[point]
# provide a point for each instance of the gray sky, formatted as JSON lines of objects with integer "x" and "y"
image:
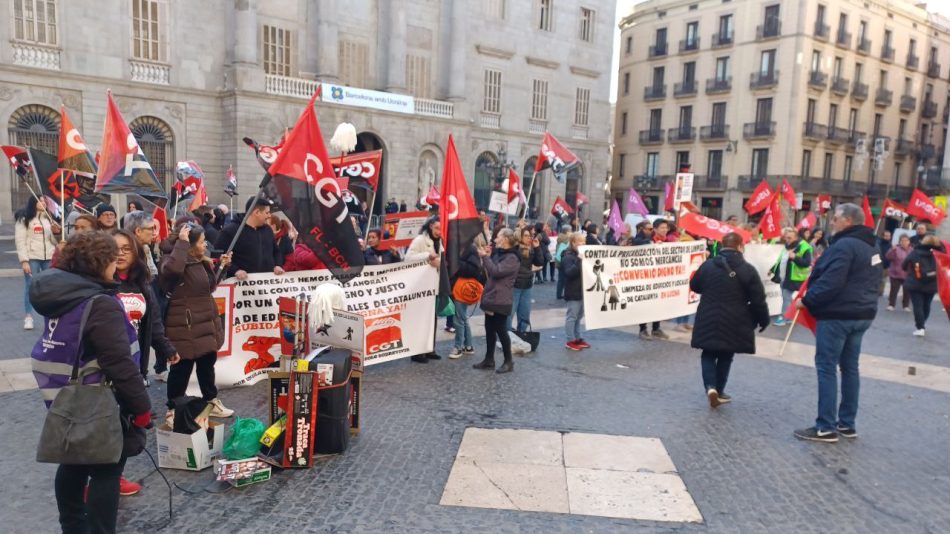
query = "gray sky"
{"x": 624, "y": 7}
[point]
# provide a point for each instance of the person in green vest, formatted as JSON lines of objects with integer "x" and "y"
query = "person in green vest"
{"x": 792, "y": 268}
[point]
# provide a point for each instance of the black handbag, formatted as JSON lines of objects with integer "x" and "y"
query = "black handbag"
{"x": 530, "y": 337}
{"x": 83, "y": 425}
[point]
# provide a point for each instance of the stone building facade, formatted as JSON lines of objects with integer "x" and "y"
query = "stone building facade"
{"x": 808, "y": 91}
{"x": 194, "y": 78}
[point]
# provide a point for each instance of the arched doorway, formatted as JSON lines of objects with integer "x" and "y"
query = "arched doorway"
{"x": 534, "y": 200}
{"x": 32, "y": 126}
{"x": 157, "y": 142}
{"x": 573, "y": 183}
{"x": 367, "y": 142}
{"x": 485, "y": 170}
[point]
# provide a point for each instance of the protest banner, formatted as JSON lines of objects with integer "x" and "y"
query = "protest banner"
{"x": 498, "y": 203}
{"x": 388, "y": 297}
{"x": 763, "y": 257}
{"x": 402, "y": 227}
{"x": 684, "y": 188}
{"x": 632, "y": 285}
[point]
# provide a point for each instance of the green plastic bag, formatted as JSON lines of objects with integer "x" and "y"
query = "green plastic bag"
{"x": 244, "y": 439}
{"x": 448, "y": 309}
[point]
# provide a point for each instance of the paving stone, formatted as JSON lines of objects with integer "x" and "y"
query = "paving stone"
{"x": 618, "y": 453}
{"x": 512, "y": 446}
{"x": 532, "y": 487}
{"x": 647, "y": 496}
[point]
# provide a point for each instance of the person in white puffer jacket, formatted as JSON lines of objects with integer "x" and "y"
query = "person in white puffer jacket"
{"x": 36, "y": 234}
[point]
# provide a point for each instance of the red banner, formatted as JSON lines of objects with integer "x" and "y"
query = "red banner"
{"x": 868, "y": 216}
{"x": 702, "y": 226}
{"x": 943, "y": 279}
{"x": 804, "y": 317}
{"x": 824, "y": 204}
{"x": 359, "y": 170}
{"x": 760, "y": 198}
{"x": 808, "y": 222}
{"x": 923, "y": 208}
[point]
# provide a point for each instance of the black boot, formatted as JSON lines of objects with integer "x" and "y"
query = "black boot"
{"x": 485, "y": 364}
{"x": 419, "y": 358}
{"x": 506, "y": 367}
{"x": 433, "y": 356}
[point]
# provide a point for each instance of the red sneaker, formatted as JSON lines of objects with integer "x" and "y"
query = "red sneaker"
{"x": 582, "y": 344}
{"x": 127, "y": 487}
{"x": 572, "y": 345}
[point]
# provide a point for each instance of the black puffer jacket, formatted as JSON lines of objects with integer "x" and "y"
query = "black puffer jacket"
{"x": 571, "y": 271}
{"x": 921, "y": 268}
{"x": 255, "y": 251}
{"x": 731, "y": 306}
{"x": 534, "y": 258}
{"x": 843, "y": 285}
{"x": 470, "y": 266}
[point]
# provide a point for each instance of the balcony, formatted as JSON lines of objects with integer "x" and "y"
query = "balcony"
{"x": 817, "y": 80}
{"x": 933, "y": 69}
{"x": 883, "y": 97}
{"x": 646, "y": 182}
{"x": 683, "y": 134}
{"x": 687, "y": 88}
{"x": 434, "y": 108}
{"x": 864, "y": 46}
{"x": 904, "y": 147}
{"x": 537, "y": 126}
{"x": 913, "y": 61}
{"x": 580, "y": 132}
{"x": 926, "y": 151}
{"x": 36, "y": 56}
{"x": 748, "y": 182}
{"x": 853, "y": 137}
{"x": 770, "y": 30}
{"x": 929, "y": 109}
{"x": 758, "y": 130}
{"x": 887, "y": 53}
{"x": 908, "y": 103}
{"x": 715, "y": 86}
{"x": 654, "y": 92}
{"x": 148, "y": 72}
{"x": 859, "y": 92}
{"x": 491, "y": 121}
{"x": 815, "y": 132}
{"x": 836, "y": 136}
{"x": 822, "y": 31}
{"x": 839, "y": 86}
{"x": 716, "y": 182}
{"x": 651, "y": 137}
{"x": 288, "y": 86}
{"x": 882, "y": 140}
{"x": 763, "y": 80}
{"x": 689, "y": 45}
{"x": 715, "y": 132}
{"x": 844, "y": 39}
{"x": 722, "y": 40}
{"x": 658, "y": 50}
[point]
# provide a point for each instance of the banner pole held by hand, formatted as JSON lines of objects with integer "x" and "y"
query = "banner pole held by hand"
{"x": 260, "y": 193}
{"x": 534, "y": 174}
{"x": 789, "y": 334}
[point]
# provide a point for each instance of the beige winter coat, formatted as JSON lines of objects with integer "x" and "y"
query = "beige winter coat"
{"x": 35, "y": 241}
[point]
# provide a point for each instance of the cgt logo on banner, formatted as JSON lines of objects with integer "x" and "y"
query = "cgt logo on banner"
{"x": 382, "y": 295}
{"x": 632, "y": 285}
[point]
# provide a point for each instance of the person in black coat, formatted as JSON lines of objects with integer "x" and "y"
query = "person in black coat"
{"x": 256, "y": 249}
{"x": 373, "y": 255}
{"x": 921, "y": 281}
{"x": 470, "y": 266}
{"x": 532, "y": 260}
{"x": 732, "y": 305}
{"x": 573, "y": 292}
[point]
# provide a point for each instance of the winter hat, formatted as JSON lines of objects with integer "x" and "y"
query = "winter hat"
{"x": 104, "y": 208}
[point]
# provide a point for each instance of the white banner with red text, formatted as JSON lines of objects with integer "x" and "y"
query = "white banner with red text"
{"x": 396, "y": 301}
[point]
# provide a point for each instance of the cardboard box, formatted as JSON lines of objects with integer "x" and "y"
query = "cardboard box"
{"x": 192, "y": 452}
{"x": 356, "y": 393}
{"x": 301, "y": 420}
{"x": 279, "y": 386}
{"x": 240, "y": 473}
{"x": 261, "y": 475}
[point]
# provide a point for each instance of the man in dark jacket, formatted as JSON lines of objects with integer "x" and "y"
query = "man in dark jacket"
{"x": 921, "y": 232}
{"x": 573, "y": 293}
{"x": 733, "y": 304}
{"x": 645, "y": 237}
{"x": 256, "y": 248}
{"x": 842, "y": 296}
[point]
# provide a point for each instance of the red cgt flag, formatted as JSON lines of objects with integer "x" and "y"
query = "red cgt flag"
{"x": 789, "y": 194}
{"x": 923, "y": 208}
{"x": 943, "y": 279}
{"x": 200, "y": 199}
{"x": 73, "y": 153}
{"x": 514, "y": 187}
{"x": 770, "y": 225}
{"x": 555, "y": 156}
{"x": 561, "y": 209}
{"x": 162, "y": 218}
{"x": 868, "y": 216}
{"x": 122, "y": 165}
{"x": 805, "y": 317}
{"x": 808, "y": 222}
{"x": 893, "y": 210}
{"x": 824, "y": 204}
{"x": 702, "y": 226}
{"x": 760, "y": 199}
{"x": 458, "y": 216}
{"x": 359, "y": 170}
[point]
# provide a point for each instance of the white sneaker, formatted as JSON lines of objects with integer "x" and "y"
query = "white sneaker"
{"x": 919, "y": 332}
{"x": 28, "y": 322}
{"x": 906, "y": 309}
{"x": 890, "y": 308}
{"x": 218, "y": 409}
{"x": 455, "y": 354}
{"x": 170, "y": 418}
{"x": 162, "y": 377}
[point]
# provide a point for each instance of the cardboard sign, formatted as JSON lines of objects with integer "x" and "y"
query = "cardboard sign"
{"x": 402, "y": 228}
{"x": 684, "y": 188}
{"x": 191, "y": 452}
{"x": 346, "y": 332}
{"x": 498, "y": 203}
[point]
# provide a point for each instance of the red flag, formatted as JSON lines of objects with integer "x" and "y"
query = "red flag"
{"x": 770, "y": 225}
{"x": 760, "y": 198}
{"x": 943, "y": 279}
{"x": 162, "y": 218}
{"x": 304, "y": 155}
{"x": 201, "y": 198}
{"x": 702, "y": 226}
{"x": 923, "y": 208}
{"x": 122, "y": 165}
{"x": 824, "y": 203}
{"x": 73, "y": 153}
{"x": 433, "y": 197}
{"x": 581, "y": 199}
{"x": 893, "y": 210}
{"x": 808, "y": 222}
{"x": 668, "y": 196}
{"x": 554, "y": 156}
{"x": 360, "y": 170}
{"x": 458, "y": 216}
{"x": 789, "y": 194}
{"x": 230, "y": 187}
{"x": 561, "y": 209}
{"x": 514, "y": 187}
{"x": 805, "y": 317}
{"x": 868, "y": 216}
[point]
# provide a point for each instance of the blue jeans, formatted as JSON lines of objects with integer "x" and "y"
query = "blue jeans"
{"x": 572, "y": 322}
{"x": 838, "y": 345}
{"x": 559, "y": 293}
{"x": 521, "y": 304}
{"x": 463, "y": 331}
{"x": 683, "y": 320}
{"x": 36, "y": 266}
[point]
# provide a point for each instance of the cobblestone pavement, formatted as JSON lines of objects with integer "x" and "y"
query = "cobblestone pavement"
{"x": 740, "y": 463}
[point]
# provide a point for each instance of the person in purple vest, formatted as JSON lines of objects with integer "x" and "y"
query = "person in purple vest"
{"x": 83, "y": 277}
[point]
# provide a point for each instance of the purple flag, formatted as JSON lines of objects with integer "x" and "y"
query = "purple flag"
{"x": 615, "y": 221}
{"x": 635, "y": 203}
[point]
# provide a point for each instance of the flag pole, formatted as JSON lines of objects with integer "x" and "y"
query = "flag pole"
{"x": 524, "y": 214}
{"x": 369, "y": 217}
{"x": 790, "y": 328}
{"x": 237, "y": 235}
{"x": 62, "y": 205}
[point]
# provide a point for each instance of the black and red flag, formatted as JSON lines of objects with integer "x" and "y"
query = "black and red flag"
{"x": 561, "y": 209}
{"x": 266, "y": 154}
{"x": 359, "y": 170}
{"x": 555, "y": 157}
{"x": 457, "y": 213}
{"x": 56, "y": 183}
{"x": 19, "y": 159}
{"x": 122, "y": 165}
{"x": 303, "y": 184}
{"x": 73, "y": 154}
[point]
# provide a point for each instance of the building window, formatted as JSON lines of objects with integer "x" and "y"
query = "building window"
{"x": 621, "y": 163}
{"x": 829, "y": 166}
{"x": 547, "y": 7}
{"x": 623, "y": 123}
{"x": 628, "y": 48}
{"x": 806, "y": 163}
{"x": 148, "y": 39}
{"x": 714, "y": 165}
{"x": 719, "y": 117}
{"x": 897, "y": 174}
{"x": 586, "y": 29}
{"x": 419, "y": 76}
{"x": 581, "y": 106}
{"x": 848, "y": 165}
{"x": 495, "y": 9}
{"x": 35, "y": 21}
{"x": 626, "y": 83}
{"x": 686, "y": 117}
{"x": 760, "y": 163}
{"x": 692, "y": 35}
{"x": 354, "y": 63}
{"x": 682, "y": 160}
{"x": 656, "y": 118}
{"x": 492, "y": 101}
{"x": 653, "y": 164}
{"x": 157, "y": 142}
{"x": 539, "y": 100}
{"x": 722, "y": 69}
{"x": 276, "y": 56}
{"x": 767, "y": 64}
